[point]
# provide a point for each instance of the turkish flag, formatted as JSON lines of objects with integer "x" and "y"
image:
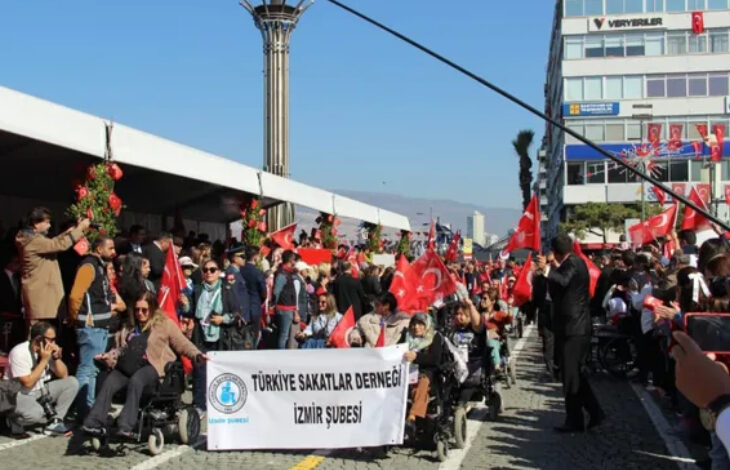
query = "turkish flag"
{"x": 658, "y": 226}
{"x": 697, "y": 146}
{"x": 82, "y": 246}
{"x": 698, "y": 22}
{"x": 381, "y": 337}
{"x": 593, "y": 270}
{"x": 655, "y": 133}
{"x": 284, "y": 237}
{"x": 527, "y": 234}
{"x": 705, "y": 192}
{"x": 702, "y": 130}
{"x": 661, "y": 196}
{"x": 453, "y": 252}
{"x": 522, "y": 291}
{"x": 404, "y": 286}
{"x": 675, "y": 137}
{"x": 716, "y": 149}
{"x": 679, "y": 188}
{"x": 668, "y": 249}
{"x": 338, "y": 337}
{"x": 692, "y": 219}
{"x": 430, "y": 242}
{"x": 433, "y": 281}
{"x": 171, "y": 286}
{"x": 727, "y": 194}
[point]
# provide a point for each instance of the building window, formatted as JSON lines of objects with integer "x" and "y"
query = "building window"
{"x": 596, "y": 172}
{"x": 717, "y": 4}
{"x": 678, "y": 170}
{"x": 614, "y": 7}
{"x": 697, "y": 43}
{"x": 696, "y": 167}
{"x": 725, "y": 170}
{"x": 614, "y": 88}
{"x": 718, "y": 41}
{"x": 573, "y": 49}
{"x": 593, "y": 7}
{"x": 614, "y": 46}
{"x": 633, "y": 6}
{"x": 575, "y": 173}
{"x": 676, "y": 43}
{"x": 573, "y": 7}
{"x": 696, "y": 5}
{"x": 594, "y": 47}
{"x": 574, "y": 89}
{"x": 594, "y": 132}
{"x": 654, "y": 44}
{"x": 633, "y": 131}
{"x": 635, "y": 45}
{"x": 593, "y": 88}
{"x": 654, "y": 5}
{"x": 614, "y": 133}
{"x": 676, "y": 87}
{"x": 698, "y": 85}
{"x": 655, "y": 87}
{"x": 633, "y": 88}
{"x": 719, "y": 85}
{"x": 676, "y": 5}
{"x": 616, "y": 173}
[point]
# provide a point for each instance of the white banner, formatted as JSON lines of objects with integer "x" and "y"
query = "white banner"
{"x": 306, "y": 398}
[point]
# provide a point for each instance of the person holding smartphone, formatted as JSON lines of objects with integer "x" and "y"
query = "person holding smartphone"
{"x": 42, "y": 400}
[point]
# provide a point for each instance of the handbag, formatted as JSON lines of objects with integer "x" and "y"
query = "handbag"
{"x": 238, "y": 336}
{"x": 134, "y": 356}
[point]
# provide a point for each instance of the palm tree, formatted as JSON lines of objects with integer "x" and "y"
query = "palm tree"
{"x": 522, "y": 146}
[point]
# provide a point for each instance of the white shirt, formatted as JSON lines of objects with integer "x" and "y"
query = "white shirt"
{"x": 20, "y": 364}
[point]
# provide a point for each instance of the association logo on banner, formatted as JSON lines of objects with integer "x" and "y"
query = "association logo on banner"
{"x": 227, "y": 393}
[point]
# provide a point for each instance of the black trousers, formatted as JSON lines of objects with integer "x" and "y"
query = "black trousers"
{"x": 577, "y": 390}
{"x": 545, "y": 324}
{"x": 97, "y": 418}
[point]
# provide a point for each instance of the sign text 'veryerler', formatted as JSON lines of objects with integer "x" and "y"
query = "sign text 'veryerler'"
{"x": 603, "y": 23}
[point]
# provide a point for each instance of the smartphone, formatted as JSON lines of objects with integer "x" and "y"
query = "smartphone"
{"x": 711, "y": 331}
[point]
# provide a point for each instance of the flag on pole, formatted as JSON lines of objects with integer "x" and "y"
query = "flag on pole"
{"x": 284, "y": 237}
{"x": 339, "y": 335}
{"x": 692, "y": 219}
{"x": 527, "y": 234}
{"x": 522, "y": 290}
{"x": 171, "y": 286}
{"x": 430, "y": 241}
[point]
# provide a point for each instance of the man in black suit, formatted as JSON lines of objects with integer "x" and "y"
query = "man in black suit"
{"x": 544, "y": 305}
{"x": 348, "y": 292}
{"x": 156, "y": 253}
{"x": 568, "y": 282}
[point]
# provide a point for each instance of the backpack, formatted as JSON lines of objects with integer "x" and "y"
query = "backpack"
{"x": 238, "y": 336}
{"x": 288, "y": 295}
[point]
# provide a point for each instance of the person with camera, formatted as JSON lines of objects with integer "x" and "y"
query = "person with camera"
{"x": 90, "y": 311}
{"x": 43, "y": 291}
{"x": 41, "y": 401}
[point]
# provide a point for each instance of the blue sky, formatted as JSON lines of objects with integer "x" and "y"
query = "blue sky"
{"x": 365, "y": 108}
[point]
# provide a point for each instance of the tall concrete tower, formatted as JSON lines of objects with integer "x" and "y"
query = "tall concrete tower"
{"x": 276, "y": 20}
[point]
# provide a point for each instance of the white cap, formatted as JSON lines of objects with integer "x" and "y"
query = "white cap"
{"x": 186, "y": 261}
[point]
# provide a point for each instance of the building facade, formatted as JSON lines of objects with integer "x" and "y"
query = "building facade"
{"x": 649, "y": 81}
{"x": 475, "y": 228}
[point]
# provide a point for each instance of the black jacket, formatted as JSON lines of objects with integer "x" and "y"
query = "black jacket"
{"x": 10, "y": 299}
{"x": 544, "y": 307}
{"x": 157, "y": 263}
{"x": 349, "y": 292}
{"x": 231, "y": 306}
{"x": 255, "y": 289}
{"x": 568, "y": 285}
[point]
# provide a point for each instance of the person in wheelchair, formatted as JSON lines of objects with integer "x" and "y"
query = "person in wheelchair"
{"x": 495, "y": 321}
{"x": 152, "y": 344}
{"x": 425, "y": 349}
{"x": 470, "y": 339}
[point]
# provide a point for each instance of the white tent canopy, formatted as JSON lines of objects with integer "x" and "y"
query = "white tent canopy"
{"x": 44, "y": 141}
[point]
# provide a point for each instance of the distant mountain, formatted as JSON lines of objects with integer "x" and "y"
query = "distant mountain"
{"x": 497, "y": 220}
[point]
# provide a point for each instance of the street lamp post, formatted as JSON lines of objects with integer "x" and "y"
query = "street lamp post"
{"x": 643, "y": 117}
{"x": 276, "y": 20}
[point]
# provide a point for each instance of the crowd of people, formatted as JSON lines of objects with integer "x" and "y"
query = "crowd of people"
{"x": 79, "y": 328}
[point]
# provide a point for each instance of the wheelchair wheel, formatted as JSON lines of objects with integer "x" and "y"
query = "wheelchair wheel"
{"x": 495, "y": 405}
{"x": 460, "y": 427}
{"x": 188, "y": 425}
{"x": 442, "y": 450}
{"x": 156, "y": 441}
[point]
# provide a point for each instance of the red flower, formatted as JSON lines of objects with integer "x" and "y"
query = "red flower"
{"x": 115, "y": 203}
{"x": 262, "y": 226}
{"x": 114, "y": 171}
{"x": 89, "y": 214}
{"x": 254, "y": 203}
{"x": 333, "y": 231}
{"x": 102, "y": 231}
{"x": 330, "y": 218}
{"x": 91, "y": 172}
{"x": 82, "y": 192}
{"x": 337, "y": 222}
{"x": 243, "y": 214}
{"x": 251, "y": 223}
{"x": 262, "y": 212}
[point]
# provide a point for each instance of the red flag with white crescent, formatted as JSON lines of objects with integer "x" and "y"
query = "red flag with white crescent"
{"x": 434, "y": 281}
{"x": 692, "y": 219}
{"x": 404, "y": 286}
{"x": 338, "y": 337}
{"x": 660, "y": 194}
{"x": 522, "y": 290}
{"x": 285, "y": 237}
{"x": 527, "y": 234}
{"x": 660, "y": 225}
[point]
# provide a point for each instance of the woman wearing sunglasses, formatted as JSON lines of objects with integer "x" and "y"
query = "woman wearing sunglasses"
{"x": 153, "y": 343}
{"x": 322, "y": 325}
{"x": 214, "y": 309}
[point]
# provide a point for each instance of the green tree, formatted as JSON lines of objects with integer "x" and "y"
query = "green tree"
{"x": 600, "y": 218}
{"x": 522, "y": 148}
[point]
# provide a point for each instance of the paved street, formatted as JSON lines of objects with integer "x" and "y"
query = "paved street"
{"x": 522, "y": 438}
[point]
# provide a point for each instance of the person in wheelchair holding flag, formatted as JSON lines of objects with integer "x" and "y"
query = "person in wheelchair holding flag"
{"x": 470, "y": 339}
{"x": 152, "y": 344}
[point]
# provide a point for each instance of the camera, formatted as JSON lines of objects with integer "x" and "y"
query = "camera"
{"x": 46, "y": 403}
